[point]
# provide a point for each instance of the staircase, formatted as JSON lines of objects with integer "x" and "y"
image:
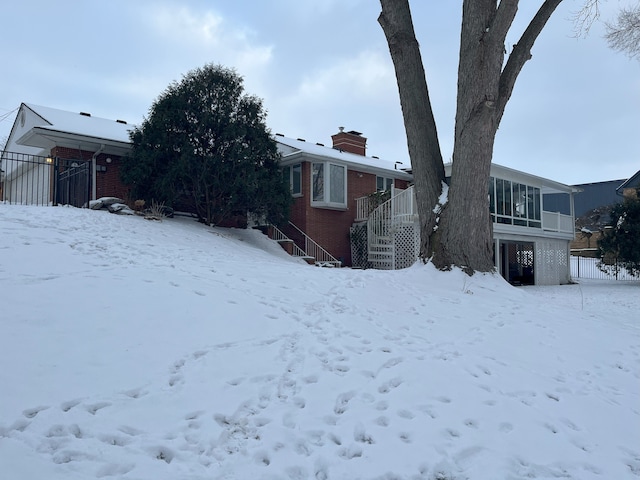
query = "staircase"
{"x": 310, "y": 251}
{"x": 393, "y": 232}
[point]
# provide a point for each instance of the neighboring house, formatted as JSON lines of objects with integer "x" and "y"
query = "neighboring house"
{"x": 55, "y": 156}
{"x": 591, "y": 196}
{"x": 593, "y": 203}
{"x": 349, "y": 209}
{"x": 630, "y": 187}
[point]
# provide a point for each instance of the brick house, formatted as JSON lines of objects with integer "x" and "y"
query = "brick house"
{"x": 326, "y": 183}
{"x": 50, "y": 152}
{"x": 337, "y": 193}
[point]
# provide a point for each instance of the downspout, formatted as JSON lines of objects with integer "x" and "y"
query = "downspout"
{"x": 94, "y": 170}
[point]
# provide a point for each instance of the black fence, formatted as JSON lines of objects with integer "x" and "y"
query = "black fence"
{"x": 37, "y": 180}
{"x": 588, "y": 267}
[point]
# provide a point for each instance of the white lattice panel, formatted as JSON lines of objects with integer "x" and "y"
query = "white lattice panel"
{"x": 407, "y": 244}
{"x": 552, "y": 262}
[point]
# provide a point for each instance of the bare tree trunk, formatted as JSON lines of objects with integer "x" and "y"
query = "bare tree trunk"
{"x": 464, "y": 237}
{"x": 420, "y": 126}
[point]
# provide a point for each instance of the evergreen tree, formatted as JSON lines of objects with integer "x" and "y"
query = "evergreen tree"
{"x": 205, "y": 144}
{"x": 621, "y": 239}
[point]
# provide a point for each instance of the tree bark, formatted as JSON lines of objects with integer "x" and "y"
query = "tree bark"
{"x": 464, "y": 237}
{"x": 420, "y": 126}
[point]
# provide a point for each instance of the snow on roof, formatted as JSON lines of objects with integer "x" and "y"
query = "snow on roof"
{"x": 299, "y": 145}
{"x": 82, "y": 124}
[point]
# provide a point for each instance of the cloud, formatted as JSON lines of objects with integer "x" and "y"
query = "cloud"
{"x": 206, "y": 36}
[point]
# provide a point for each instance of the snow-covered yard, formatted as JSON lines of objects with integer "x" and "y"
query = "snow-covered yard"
{"x": 168, "y": 350}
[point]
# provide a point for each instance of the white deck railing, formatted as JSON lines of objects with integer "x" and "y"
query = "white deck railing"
{"x": 367, "y": 204}
{"x": 383, "y": 223}
{"x": 557, "y": 222}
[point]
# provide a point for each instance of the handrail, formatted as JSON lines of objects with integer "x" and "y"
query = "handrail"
{"x": 382, "y": 225}
{"x": 367, "y": 204}
{"x": 278, "y": 236}
{"x": 313, "y": 249}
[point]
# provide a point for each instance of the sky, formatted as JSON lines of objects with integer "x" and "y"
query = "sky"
{"x": 148, "y": 350}
{"x": 574, "y": 115}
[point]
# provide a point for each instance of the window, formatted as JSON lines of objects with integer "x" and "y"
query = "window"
{"x": 383, "y": 184}
{"x": 514, "y": 203}
{"x": 328, "y": 185}
{"x": 293, "y": 175}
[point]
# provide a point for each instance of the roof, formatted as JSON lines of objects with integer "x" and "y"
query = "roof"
{"x": 63, "y": 128}
{"x": 82, "y": 123}
{"x": 547, "y": 186}
{"x": 632, "y": 182}
{"x": 358, "y": 162}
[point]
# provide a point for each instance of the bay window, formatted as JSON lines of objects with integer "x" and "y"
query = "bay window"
{"x": 328, "y": 185}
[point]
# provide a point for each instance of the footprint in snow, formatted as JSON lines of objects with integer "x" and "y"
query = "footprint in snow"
{"x": 406, "y": 414}
{"x": 505, "y": 427}
{"x": 95, "y": 407}
{"x": 386, "y": 387}
{"x": 342, "y": 402}
{"x": 350, "y": 452}
{"x": 175, "y": 379}
{"x": 135, "y": 393}
{"x": 32, "y": 412}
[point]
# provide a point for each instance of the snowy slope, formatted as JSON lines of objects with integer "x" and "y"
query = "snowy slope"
{"x": 146, "y": 350}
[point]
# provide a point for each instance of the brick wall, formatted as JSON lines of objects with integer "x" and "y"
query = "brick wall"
{"x": 71, "y": 153}
{"x": 108, "y": 183}
{"x": 328, "y": 227}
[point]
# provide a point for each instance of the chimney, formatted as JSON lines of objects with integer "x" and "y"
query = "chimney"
{"x": 351, "y": 141}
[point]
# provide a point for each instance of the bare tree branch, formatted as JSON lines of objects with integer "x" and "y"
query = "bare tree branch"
{"x": 624, "y": 34}
{"x": 584, "y": 18}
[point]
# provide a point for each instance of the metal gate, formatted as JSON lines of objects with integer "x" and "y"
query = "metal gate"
{"x": 72, "y": 182}
{"x": 37, "y": 180}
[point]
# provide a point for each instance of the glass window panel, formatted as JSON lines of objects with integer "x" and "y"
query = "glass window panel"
{"x": 383, "y": 184}
{"x": 500, "y": 195}
{"x": 286, "y": 173}
{"x": 296, "y": 179}
{"x": 336, "y": 184}
{"x": 507, "y": 197}
{"x": 389, "y": 183}
{"x": 317, "y": 179}
{"x": 537, "y": 203}
{"x": 492, "y": 195}
{"x": 520, "y": 199}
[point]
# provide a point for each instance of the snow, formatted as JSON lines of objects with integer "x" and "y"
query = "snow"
{"x": 298, "y": 145}
{"x": 170, "y": 350}
{"x": 64, "y": 121}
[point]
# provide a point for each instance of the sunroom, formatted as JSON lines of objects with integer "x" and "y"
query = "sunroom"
{"x": 531, "y": 236}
